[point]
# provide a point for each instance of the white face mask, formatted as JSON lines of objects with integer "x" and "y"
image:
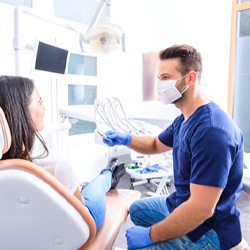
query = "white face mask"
{"x": 167, "y": 91}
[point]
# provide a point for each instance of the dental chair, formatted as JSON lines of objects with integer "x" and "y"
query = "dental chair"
{"x": 38, "y": 212}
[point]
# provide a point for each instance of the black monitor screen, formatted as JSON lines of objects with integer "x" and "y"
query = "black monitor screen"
{"x": 50, "y": 58}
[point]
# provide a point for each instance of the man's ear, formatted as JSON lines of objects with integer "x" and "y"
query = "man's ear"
{"x": 192, "y": 77}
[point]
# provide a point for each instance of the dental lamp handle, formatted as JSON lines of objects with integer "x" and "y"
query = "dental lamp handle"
{"x": 117, "y": 138}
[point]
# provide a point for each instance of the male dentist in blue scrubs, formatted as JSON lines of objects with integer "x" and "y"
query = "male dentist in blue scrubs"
{"x": 208, "y": 165}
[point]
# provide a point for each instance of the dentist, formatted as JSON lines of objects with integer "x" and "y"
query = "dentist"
{"x": 208, "y": 165}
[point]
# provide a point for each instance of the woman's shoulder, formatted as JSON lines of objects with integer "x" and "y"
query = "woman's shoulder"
{"x": 50, "y": 163}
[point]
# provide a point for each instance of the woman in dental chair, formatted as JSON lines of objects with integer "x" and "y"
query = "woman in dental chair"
{"x": 24, "y": 111}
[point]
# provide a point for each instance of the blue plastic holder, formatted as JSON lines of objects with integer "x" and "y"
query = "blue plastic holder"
{"x": 149, "y": 169}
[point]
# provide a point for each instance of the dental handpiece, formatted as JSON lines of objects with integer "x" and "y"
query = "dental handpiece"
{"x": 104, "y": 136}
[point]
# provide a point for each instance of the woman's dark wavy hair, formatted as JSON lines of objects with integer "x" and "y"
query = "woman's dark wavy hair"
{"x": 15, "y": 97}
{"x": 189, "y": 57}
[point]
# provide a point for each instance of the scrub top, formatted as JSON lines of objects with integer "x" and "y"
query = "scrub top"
{"x": 208, "y": 150}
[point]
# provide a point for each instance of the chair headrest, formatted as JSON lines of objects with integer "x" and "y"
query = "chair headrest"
{"x": 5, "y": 136}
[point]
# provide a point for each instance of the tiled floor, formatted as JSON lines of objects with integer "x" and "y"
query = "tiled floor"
{"x": 243, "y": 205}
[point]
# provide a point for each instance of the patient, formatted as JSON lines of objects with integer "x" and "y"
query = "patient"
{"x": 24, "y": 111}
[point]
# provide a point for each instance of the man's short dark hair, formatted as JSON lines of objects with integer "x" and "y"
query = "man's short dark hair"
{"x": 189, "y": 57}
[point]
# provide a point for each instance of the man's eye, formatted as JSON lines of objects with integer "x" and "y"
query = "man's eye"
{"x": 164, "y": 77}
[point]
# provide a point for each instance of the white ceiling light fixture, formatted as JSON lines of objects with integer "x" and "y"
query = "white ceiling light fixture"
{"x": 106, "y": 38}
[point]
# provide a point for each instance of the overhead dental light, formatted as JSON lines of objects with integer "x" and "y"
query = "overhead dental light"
{"x": 105, "y": 38}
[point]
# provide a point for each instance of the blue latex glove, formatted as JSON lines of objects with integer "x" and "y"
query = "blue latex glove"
{"x": 117, "y": 138}
{"x": 138, "y": 237}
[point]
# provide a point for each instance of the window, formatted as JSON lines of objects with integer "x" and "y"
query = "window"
{"x": 81, "y": 11}
{"x": 17, "y": 2}
{"x": 239, "y": 73}
{"x": 81, "y": 94}
{"x": 243, "y": 1}
{"x": 82, "y": 65}
{"x": 244, "y": 21}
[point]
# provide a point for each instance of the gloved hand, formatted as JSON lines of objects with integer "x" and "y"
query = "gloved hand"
{"x": 138, "y": 237}
{"x": 117, "y": 138}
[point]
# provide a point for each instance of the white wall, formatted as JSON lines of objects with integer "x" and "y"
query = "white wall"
{"x": 6, "y": 41}
{"x": 152, "y": 25}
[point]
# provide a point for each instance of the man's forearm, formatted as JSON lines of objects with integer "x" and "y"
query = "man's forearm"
{"x": 142, "y": 144}
{"x": 181, "y": 221}
{"x": 147, "y": 145}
